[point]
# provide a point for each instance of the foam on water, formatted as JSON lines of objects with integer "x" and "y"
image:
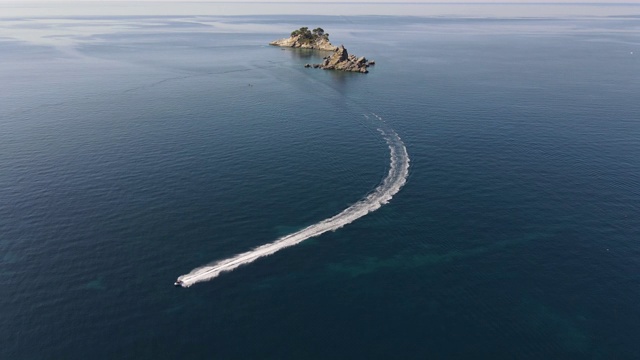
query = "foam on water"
{"x": 392, "y": 183}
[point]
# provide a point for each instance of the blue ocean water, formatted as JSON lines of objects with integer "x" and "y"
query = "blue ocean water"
{"x": 135, "y": 149}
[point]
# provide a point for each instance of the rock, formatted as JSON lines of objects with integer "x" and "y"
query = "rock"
{"x": 319, "y": 40}
{"x": 341, "y": 60}
{"x": 339, "y": 57}
{"x": 298, "y": 41}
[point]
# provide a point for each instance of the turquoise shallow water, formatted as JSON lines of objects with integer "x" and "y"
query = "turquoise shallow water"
{"x": 134, "y": 149}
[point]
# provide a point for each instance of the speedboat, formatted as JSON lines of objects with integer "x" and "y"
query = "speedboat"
{"x": 178, "y": 283}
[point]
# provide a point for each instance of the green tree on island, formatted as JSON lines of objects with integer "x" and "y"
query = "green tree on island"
{"x": 307, "y": 36}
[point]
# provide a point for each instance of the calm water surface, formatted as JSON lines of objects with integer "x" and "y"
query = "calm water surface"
{"x": 134, "y": 149}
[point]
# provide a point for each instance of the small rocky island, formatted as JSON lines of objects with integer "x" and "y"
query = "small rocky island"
{"x": 317, "y": 39}
{"x": 304, "y": 38}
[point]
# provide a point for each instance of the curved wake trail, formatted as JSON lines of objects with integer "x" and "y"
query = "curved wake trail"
{"x": 392, "y": 183}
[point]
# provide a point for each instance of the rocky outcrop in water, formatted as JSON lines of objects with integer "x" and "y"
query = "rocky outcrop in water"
{"x": 341, "y": 60}
{"x": 304, "y": 38}
{"x": 317, "y": 39}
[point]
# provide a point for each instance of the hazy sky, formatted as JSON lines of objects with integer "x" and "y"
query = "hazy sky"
{"x": 474, "y": 8}
{"x": 360, "y": 1}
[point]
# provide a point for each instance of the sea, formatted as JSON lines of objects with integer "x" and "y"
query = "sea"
{"x": 492, "y": 156}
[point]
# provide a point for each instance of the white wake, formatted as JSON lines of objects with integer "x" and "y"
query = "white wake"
{"x": 392, "y": 183}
